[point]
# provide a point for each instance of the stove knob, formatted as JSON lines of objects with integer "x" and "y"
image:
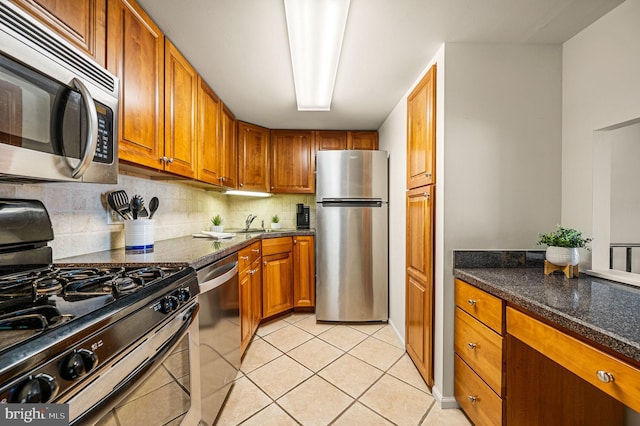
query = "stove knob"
{"x": 183, "y": 295}
{"x": 78, "y": 364}
{"x": 169, "y": 304}
{"x": 37, "y": 389}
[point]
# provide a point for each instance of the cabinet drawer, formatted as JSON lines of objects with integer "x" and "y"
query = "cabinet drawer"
{"x": 248, "y": 255}
{"x": 276, "y": 245}
{"x": 590, "y": 364}
{"x": 477, "y": 399}
{"x": 480, "y": 347}
{"x": 480, "y": 305}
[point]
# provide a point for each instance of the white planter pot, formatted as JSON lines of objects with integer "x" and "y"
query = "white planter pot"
{"x": 214, "y": 228}
{"x": 562, "y": 256}
{"x": 276, "y": 225}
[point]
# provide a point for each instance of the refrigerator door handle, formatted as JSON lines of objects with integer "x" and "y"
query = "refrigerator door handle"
{"x": 351, "y": 203}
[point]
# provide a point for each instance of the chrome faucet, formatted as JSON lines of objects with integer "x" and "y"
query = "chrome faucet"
{"x": 249, "y": 220}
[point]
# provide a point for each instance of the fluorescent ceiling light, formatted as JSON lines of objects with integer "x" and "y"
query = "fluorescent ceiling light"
{"x": 316, "y": 29}
{"x": 248, "y": 193}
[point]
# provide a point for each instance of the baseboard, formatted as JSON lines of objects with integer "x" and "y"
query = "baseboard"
{"x": 401, "y": 338}
{"x": 444, "y": 402}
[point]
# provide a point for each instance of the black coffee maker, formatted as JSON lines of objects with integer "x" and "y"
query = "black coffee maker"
{"x": 302, "y": 217}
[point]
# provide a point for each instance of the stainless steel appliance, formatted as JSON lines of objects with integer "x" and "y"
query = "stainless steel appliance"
{"x": 352, "y": 236}
{"x": 302, "y": 217}
{"x": 59, "y": 108}
{"x": 86, "y": 336}
{"x": 219, "y": 334}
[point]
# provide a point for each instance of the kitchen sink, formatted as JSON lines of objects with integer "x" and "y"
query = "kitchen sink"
{"x": 255, "y": 230}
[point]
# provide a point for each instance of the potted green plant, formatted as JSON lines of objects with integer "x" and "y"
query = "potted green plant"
{"x": 563, "y": 244}
{"x": 275, "y": 222}
{"x": 216, "y": 224}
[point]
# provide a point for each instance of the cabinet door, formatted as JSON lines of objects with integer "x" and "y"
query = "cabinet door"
{"x": 256, "y": 294}
{"x": 181, "y": 94}
{"x": 277, "y": 294}
{"x": 136, "y": 56}
{"x": 421, "y": 132}
{"x": 362, "y": 140}
{"x": 419, "y": 280}
{"x": 253, "y": 159}
{"x": 82, "y": 23}
{"x": 244, "y": 282}
{"x": 228, "y": 148}
{"x": 331, "y": 140}
{"x": 293, "y": 161}
{"x": 304, "y": 275}
{"x": 209, "y": 152}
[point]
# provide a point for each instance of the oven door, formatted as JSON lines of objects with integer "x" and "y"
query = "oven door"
{"x": 153, "y": 383}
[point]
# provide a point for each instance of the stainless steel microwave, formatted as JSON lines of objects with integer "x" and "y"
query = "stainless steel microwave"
{"x": 58, "y": 108}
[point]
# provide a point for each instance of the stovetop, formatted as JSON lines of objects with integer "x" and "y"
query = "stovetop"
{"x": 35, "y": 301}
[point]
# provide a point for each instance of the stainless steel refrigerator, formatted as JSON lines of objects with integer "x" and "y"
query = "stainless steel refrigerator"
{"x": 352, "y": 241}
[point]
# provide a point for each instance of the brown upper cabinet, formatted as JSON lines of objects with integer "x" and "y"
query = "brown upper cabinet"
{"x": 181, "y": 94}
{"x": 217, "y": 162}
{"x": 140, "y": 68}
{"x": 331, "y": 139}
{"x": 209, "y": 152}
{"x": 421, "y": 132}
{"x": 253, "y": 157}
{"x": 228, "y": 148}
{"x": 362, "y": 140}
{"x": 82, "y": 23}
{"x": 293, "y": 161}
{"x": 343, "y": 139}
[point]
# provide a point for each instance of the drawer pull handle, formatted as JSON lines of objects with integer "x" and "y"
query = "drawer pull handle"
{"x": 471, "y": 345}
{"x": 604, "y": 376}
{"x": 471, "y": 302}
{"x": 472, "y": 398}
{"x": 244, "y": 257}
{"x": 255, "y": 250}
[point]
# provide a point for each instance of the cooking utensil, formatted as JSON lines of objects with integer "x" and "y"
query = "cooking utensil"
{"x": 119, "y": 201}
{"x": 136, "y": 205}
{"x": 153, "y": 206}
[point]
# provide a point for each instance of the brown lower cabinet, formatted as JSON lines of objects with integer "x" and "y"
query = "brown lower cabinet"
{"x": 513, "y": 369}
{"x": 250, "y": 292}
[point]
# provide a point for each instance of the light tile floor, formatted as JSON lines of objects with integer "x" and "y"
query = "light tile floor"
{"x": 297, "y": 371}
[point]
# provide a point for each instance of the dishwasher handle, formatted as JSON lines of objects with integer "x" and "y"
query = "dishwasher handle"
{"x": 217, "y": 276}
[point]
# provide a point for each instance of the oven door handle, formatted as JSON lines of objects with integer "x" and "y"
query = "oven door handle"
{"x": 130, "y": 382}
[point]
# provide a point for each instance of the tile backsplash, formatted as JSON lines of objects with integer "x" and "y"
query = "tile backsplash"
{"x": 79, "y": 211}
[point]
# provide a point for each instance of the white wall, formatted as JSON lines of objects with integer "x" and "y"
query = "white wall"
{"x": 601, "y": 87}
{"x": 498, "y": 167}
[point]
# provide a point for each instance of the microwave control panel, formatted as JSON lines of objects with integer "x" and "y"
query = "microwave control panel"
{"x": 106, "y": 135}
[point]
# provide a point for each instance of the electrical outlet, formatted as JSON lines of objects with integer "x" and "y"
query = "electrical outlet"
{"x": 113, "y": 218}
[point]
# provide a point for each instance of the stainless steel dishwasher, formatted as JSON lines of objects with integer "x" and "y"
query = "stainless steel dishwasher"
{"x": 219, "y": 334}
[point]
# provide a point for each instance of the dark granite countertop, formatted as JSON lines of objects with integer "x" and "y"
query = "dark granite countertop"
{"x": 195, "y": 252}
{"x": 602, "y": 311}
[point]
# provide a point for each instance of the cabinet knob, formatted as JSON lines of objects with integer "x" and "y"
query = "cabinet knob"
{"x": 427, "y": 174}
{"x": 472, "y": 398}
{"x": 604, "y": 376}
{"x": 164, "y": 159}
{"x": 271, "y": 186}
{"x": 471, "y": 345}
{"x": 295, "y": 241}
{"x": 265, "y": 263}
{"x": 241, "y": 185}
{"x": 426, "y": 195}
{"x": 471, "y": 302}
{"x": 171, "y": 160}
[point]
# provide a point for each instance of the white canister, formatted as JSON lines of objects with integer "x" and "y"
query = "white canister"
{"x": 139, "y": 235}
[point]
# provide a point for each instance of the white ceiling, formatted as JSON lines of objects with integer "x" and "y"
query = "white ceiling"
{"x": 240, "y": 47}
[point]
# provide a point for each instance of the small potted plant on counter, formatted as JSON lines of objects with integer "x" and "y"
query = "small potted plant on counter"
{"x": 275, "y": 222}
{"x": 562, "y": 246}
{"x": 216, "y": 224}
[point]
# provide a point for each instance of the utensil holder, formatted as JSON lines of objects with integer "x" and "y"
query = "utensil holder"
{"x": 139, "y": 235}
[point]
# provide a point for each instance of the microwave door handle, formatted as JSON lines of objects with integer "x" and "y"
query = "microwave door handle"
{"x": 92, "y": 134}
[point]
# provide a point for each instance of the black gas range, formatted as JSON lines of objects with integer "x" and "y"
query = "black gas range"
{"x": 62, "y": 329}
